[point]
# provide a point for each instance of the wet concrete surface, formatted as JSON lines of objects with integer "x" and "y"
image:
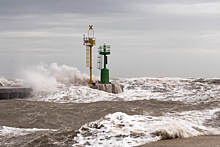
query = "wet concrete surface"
{"x": 200, "y": 141}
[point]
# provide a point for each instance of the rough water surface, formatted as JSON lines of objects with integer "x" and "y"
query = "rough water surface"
{"x": 65, "y": 121}
{"x": 66, "y": 112}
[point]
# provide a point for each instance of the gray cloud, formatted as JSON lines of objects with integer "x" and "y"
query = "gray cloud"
{"x": 83, "y": 6}
{"x": 162, "y": 41}
{"x": 63, "y": 6}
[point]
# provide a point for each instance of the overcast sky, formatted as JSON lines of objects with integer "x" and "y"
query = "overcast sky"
{"x": 153, "y": 38}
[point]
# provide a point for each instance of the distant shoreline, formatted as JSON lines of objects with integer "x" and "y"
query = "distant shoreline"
{"x": 199, "y": 141}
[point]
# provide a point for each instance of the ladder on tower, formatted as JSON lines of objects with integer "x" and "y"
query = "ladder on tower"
{"x": 99, "y": 59}
{"x": 87, "y": 56}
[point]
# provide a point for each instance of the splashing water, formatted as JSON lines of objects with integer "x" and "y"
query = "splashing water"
{"x": 62, "y": 83}
{"x": 186, "y": 90}
{"x": 122, "y": 130}
{"x": 49, "y": 77}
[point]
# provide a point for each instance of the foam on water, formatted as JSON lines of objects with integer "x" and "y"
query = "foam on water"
{"x": 12, "y": 132}
{"x": 62, "y": 83}
{"x": 77, "y": 94}
{"x": 176, "y": 89}
{"x": 122, "y": 130}
{"x": 186, "y": 90}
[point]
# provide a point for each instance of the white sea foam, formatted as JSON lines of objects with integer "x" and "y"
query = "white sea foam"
{"x": 186, "y": 90}
{"x": 62, "y": 83}
{"x": 11, "y": 132}
{"x": 177, "y": 89}
{"x": 122, "y": 130}
{"x": 77, "y": 94}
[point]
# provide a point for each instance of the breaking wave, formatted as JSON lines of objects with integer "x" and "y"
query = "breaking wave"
{"x": 164, "y": 89}
{"x": 49, "y": 77}
{"x": 122, "y": 130}
{"x": 176, "y": 89}
{"x": 63, "y": 84}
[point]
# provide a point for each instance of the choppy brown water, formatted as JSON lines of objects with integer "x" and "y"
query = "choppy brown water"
{"x": 68, "y": 118}
{"x": 79, "y": 105}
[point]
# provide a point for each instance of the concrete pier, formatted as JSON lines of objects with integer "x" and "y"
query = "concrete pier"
{"x": 113, "y": 87}
{"x": 14, "y": 92}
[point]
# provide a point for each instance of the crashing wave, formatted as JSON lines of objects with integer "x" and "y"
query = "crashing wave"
{"x": 186, "y": 90}
{"x": 49, "y": 77}
{"x": 122, "y": 130}
{"x": 62, "y": 83}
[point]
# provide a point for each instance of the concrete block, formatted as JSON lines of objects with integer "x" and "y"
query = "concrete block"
{"x": 111, "y": 88}
{"x": 14, "y": 92}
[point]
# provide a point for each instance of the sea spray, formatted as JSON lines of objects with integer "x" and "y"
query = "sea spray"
{"x": 4, "y": 82}
{"x": 48, "y": 77}
{"x": 164, "y": 89}
{"x": 62, "y": 83}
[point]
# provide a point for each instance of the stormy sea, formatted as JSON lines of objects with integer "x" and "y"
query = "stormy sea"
{"x": 63, "y": 111}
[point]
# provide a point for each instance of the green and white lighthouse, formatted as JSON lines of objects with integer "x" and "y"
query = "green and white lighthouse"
{"x": 103, "y": 51}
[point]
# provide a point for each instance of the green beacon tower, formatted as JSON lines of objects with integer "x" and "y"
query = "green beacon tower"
{"x": 104, "y": 50}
